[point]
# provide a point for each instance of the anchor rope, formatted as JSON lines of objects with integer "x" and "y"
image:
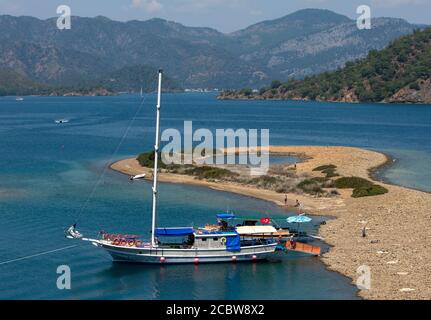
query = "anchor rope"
{"x": 38, "y": 254}
{"x": 84, "y": 206}
{"x": 106, "y": 167}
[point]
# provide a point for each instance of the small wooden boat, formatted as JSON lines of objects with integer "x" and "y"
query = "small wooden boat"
{"x": 302, "y": 248}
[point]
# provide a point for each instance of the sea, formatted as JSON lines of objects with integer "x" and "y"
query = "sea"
{"x": 54, "y": 174}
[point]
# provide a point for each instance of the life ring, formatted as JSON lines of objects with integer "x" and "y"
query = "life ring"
{"x": 116, "y": 242}
{"x": 223, "y": 240}
{"x": 132, "y": 243}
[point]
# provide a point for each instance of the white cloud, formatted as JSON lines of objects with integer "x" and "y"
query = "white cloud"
{"x": 150, "y": 6}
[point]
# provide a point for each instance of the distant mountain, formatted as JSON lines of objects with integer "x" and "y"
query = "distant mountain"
{"x": 399, "y": 73}
{"x": 133, "y": 79}
{"x": 50, "y": 64}
{"x": 305, "y": 42}
{"x": 312, "y": 41}
{"x": 13, "y": 83}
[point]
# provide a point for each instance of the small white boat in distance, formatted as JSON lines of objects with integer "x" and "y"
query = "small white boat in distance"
{"x": 138, "y": 177}
{"x": 19, "y": 99}
{"x": 61, "y": 121}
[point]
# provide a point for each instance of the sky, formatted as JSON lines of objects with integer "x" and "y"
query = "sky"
{"x": 223, "y": 15}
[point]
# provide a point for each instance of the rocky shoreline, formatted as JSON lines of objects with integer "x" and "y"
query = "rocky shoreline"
{"x": 404, "y": 96}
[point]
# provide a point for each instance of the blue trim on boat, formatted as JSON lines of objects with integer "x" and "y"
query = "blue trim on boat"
{"x": 173, "y": 232}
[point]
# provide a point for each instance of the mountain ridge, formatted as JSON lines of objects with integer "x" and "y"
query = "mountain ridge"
{"x": 400, "y": 73}
{"x": 194, "y": 57}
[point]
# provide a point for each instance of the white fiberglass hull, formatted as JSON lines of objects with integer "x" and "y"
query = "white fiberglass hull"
{"x": 183, "y": 256}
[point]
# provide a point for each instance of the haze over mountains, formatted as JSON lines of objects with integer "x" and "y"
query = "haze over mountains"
{"x": 119, "y": 55}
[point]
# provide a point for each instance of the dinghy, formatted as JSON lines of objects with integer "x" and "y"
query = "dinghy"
{"x": 138, "y": 177}
{"x": 61, "y": 121}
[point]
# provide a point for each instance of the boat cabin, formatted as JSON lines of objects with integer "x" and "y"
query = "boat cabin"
{"x": 201, "y": 239}
{"x": 216, "y": 240}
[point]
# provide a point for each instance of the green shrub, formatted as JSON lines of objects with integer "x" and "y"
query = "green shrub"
{"x": 266, "y": 182}
{"x": 374, "y": 190}
{"x": 328, "y": 169}
{"x": 306, "y": 182}
{"x": 210, "y": 173}
{"x": 330, "y": 173}
{"x": 275, "y": 84}
{"x": 352, "y": 183}
{"x": 414, "y": 86}
{"x": 310, "y": 186}
{"x": 246, "y": 91}
{"x": 147, "y": 160}
{"x": 361, "y": 187}
{"x": 319, "y": 179}
{"x": 325, "y": 167}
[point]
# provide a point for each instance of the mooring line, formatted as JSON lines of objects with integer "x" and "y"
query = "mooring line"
{"x": 38, "y": 254}
{"x": 105, "y": 169}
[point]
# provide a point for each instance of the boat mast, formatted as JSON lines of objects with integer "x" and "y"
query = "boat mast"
{"x": 156, "y": 162}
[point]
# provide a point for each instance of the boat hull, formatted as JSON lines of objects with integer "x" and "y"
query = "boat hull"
{"x": 187, "y": 256}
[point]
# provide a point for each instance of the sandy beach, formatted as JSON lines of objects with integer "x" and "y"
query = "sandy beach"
{"x": 397, "y": 248}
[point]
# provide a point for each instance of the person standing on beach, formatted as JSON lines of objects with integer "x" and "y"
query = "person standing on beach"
{"x": 299, "y": 206}
{"x": 285, "y": 200}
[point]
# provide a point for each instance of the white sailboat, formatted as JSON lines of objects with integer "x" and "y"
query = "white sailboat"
{"x": 196, "y": 246}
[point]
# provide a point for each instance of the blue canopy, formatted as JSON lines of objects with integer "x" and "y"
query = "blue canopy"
{"x": 233, "y": 243}
{"x": 298, "y": 219}
{"x": 225, "y": 216}
{"x": 173, "y": 232}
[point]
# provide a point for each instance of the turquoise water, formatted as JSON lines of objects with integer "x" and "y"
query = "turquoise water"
{"x": 48, "y": 172}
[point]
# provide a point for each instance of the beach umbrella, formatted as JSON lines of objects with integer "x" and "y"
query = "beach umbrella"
{"x": 299, "y": 219}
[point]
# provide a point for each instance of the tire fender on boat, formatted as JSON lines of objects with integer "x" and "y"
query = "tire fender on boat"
{"x": 132, "y": 243}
